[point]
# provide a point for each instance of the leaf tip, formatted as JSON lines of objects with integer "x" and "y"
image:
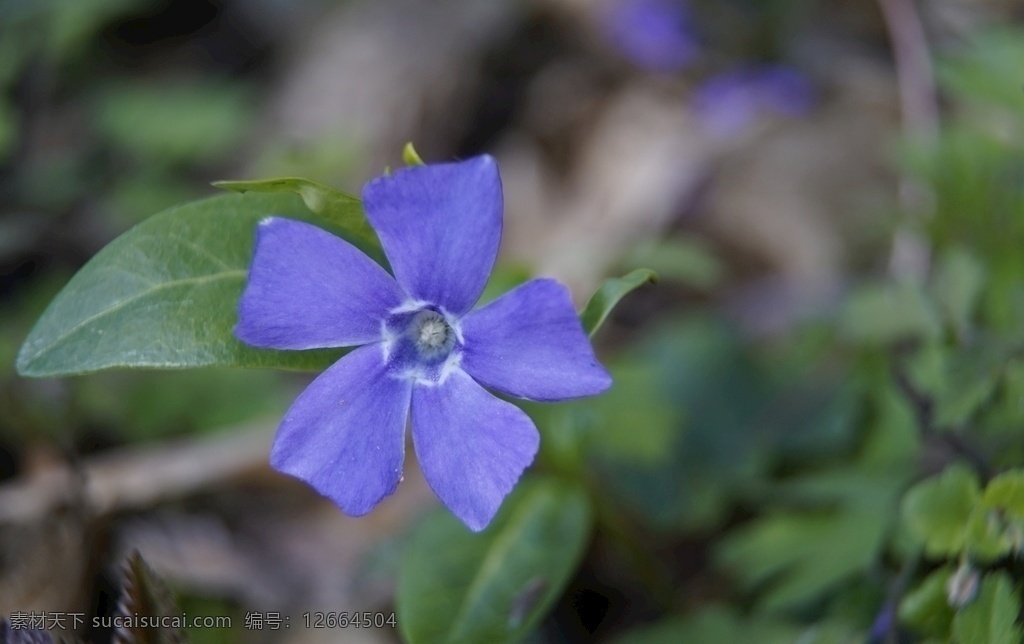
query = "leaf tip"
{"x": 410, "y": 156}
{"x": 231, "y": 186}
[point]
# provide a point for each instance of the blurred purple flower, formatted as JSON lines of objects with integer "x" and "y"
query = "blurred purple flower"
{"x": 423, "y": 352}
{"x": 656, "y": 35}
{"x": 884, "y": 624}
{"x": 729, "y": 102}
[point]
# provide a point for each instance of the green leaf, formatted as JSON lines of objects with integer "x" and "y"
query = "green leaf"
{"x": 997, "y": 525}
{"x": 937, "y": 510}
{"x": 970, "y": 381}
{"x": 687, "y": 261}
{"x": 164, "y": 295}
{"x": 800, "y": 555}
{"x": 981, "y": 71}
{"x": 457, "y": 586}
{"x": 884, "y": 313}
{"x": 926, "y": 608}
{"x": 339, "y": 208}
{"x": 175, "y": 122}
{"x": 608, "y": 295}
{"x": 992, "y": 616}
{"x": 1006, "y": 492}
{"x": 957, "y": 285}
{"x": 715, "y": 625}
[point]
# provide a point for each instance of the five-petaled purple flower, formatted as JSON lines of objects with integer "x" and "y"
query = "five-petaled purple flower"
{"x": 425, "y": 355}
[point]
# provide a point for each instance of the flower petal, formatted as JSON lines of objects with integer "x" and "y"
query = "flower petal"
{"x": 530, "y": 343}
{"x": 440, "y": 226}
{"x": 345, "y": 435}
{"x": 310, "y": 289}
{"x": 472, "y": 447}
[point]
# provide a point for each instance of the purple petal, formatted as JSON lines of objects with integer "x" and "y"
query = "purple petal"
{"x": 440, "y": 226}
{"x": 310, "y": 289}
{"x": 471, "y": 446}
{"x": 730, "y": 101}
{"x": 656, "y": 35}
{"x": 530, "y": 343}
{"x": 345, "y": 435}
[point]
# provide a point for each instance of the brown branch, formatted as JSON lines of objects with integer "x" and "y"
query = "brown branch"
{"x": 914, "y": 74}
{"x": 135, "y": 477}
{"x": 924, "y": 413}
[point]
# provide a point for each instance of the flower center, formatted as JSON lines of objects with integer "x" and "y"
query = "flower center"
{"x": 431, "y": 334}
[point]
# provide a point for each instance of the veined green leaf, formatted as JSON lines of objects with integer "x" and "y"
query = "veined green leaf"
{"x": 164, "y": 295}
{"x": 457, "y": 586}
{"x": 608, "y": 295}
{"x": 339, "y": 208}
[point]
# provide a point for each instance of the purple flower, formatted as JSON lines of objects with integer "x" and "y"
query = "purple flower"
{"x": 424, "y": 354}
{"x": 655, "y": 34}
{"x": 730, "y": 101}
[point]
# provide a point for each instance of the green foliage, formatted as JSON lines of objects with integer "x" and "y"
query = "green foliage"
{"x": 992, "y": 616}
{"x": 949, "y": 514}
{"x": 173, "y": 122}
{"x": 926, "y": 608}
{"x": 957, "y": 286}
{"x": 979, "y": 71}
{"x": 688, "y": 262}
{"x": 883, "y": 313}
{"x": 715, "y": 625}
{"x": 457, "y": 586}
{"x": 164, "y": 295}
{"x": 608, "y": 295}
{"x": 802, "y": 554}
{"x": 937, "y": 510}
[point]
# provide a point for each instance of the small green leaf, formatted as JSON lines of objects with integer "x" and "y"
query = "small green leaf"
{"x": 937, "y": 510}
{"x": 997, "y": 524}
{"x": 687, "y": 261}
{"x": 608, "y": 295}
{"x": 926, "y": 608}
{"x": 884, "y": 313}
{"x": 339, "y": 208}
{"x": 957, "y": 285}
{"x": 457, "y": 586}
{"x": 164, "y": 295}
{"x": 992, "y": 616}
{"x": 1006, "y": 492}
{"x": 410, "y": 155}
{"x": 988, "y": 536}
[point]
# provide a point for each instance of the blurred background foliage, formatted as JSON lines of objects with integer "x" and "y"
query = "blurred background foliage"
{"x": 811, "y": 437}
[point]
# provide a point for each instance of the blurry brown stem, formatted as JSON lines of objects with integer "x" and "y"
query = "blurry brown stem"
{"x": 135, "y": 477}
{"x": 919, "y": 107}
{"x": 914, "y": 74}
{"x": 924, "y": 412}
